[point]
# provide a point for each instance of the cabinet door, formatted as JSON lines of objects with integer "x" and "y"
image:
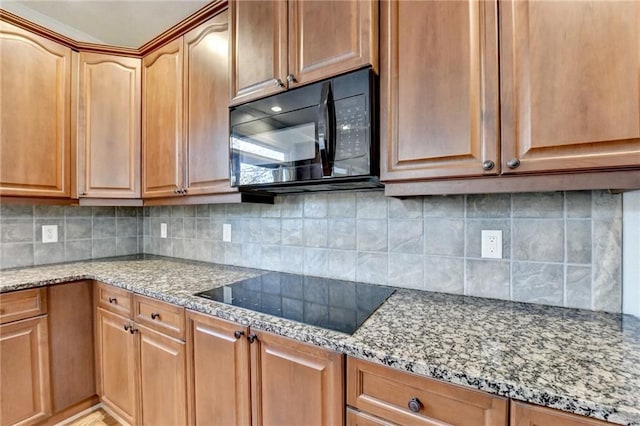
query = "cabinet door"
{"x": 109, "y": 126}
{"x": 570, "y": 88}
{"x": 206, "y": 69}
{"x": 526, "y": 415}
{"x": 439, "y": 89}
{"x": 218, "y": 368}
{"x": 258, "y": 48}
{"x": 24, "y": 366}
{"x": 295, "y": 383}
{"x": 162, "y": 379}
{"x": 117, "y": 370}
{"x": 327, "y": 38}
{"x": 162, "y": 120}
{"x": 71, "y": 326}
{"x": 35, "y": 109}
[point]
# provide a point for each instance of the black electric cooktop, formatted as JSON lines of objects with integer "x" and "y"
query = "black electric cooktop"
{"x": 337, "y": 305}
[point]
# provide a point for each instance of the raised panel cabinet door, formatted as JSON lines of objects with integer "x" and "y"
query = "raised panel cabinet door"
{"x": 438, "y": 89}
{"x": 530, "y": 415}
{"x": 117, "y": 368}
{"x": 295, "y": 383}
{"x": 327, "y": 38}
{"x": 218, "y": 372}
{"x": 162, "y": 120}
{"x": 163, "y": 384}
{"x": 109, "y": 135}
{"x": 570, "y": 93}
{"x": 35, "y": 108}
{"x": 258, "y": 55}
{"x": 25, "y": 396}
{"x": 206, "y": 70}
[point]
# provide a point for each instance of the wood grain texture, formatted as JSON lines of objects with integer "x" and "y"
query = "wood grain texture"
{"x": 109, "y": 135}
{"x": 439, "y": 89}
{"x": 570, "y": 92}
{"x": 117, "y": 365}
{"x": 35, "y": 114}
{"x": 159, "y": 316}
{"x": 71, "y": 343}
{"x": 22, "y": 304}
{"x": 358, "y": 418}
{"x": 331, "y": 38}
{"x": 531, "y": 415}
{"x": 258, "y": 31}
{"x": 206, "y": 90}
{"x": 163, "y": 385}
{"x": 295, "y": 383}
{"x": 385, "y": 392}
{"x": 24, "y": 362}
{"x": 114, "y": 299}
{"x": 162, "y": 120}
{"x": 218, "y": 368}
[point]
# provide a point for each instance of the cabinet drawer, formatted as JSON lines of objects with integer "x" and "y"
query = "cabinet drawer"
{"x": 114, "y": 299}
{"x": 22, "y": 304}
{"x": 386, "y": 392}
{"x": 358, "y": 418}
{"x": 526, "y": 414}
{"x": 160, "y": 316}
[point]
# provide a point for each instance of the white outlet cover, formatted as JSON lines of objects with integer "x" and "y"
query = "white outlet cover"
{"x": 163, "y": 230}
{"x": 49, "y": 233}
{"x": 226, "y": 232}
{"x": 491, "y": 244}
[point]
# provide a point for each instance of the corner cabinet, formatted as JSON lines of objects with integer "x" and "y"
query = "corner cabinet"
{"x": 277, "y": 45}
{"x": 185, "y": 134}
{"x": 35, "y": 136}
{"x": 570, "y": 92}
{"x": 289, "y": 382}
{"x": 108, "y": 131}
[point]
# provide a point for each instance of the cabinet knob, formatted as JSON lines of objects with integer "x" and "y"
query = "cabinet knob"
{"x": 278, "y": 82}
{"x": 414, "y": 404}
{"x": 127, "y": 327}
{"x": 252, "y": 338}
{"x": 184, "y": 190}
{"x": 176, "y": 191}
{"x": 82, "y": 194}
{"x": 238, "y": 334}
{"x": 513, "y": 163}
{"x": 133, "y": 330}
{"x": 113, "y": 300}
{"x": 154, "y": 315}
{"x": 291, "y": 78}
{"x": 488, "y": 165}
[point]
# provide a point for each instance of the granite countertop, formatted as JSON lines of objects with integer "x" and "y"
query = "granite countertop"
{"x": 577, "y": 361}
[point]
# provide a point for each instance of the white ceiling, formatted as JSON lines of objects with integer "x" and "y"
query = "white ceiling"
{"x": 126, "y": 23}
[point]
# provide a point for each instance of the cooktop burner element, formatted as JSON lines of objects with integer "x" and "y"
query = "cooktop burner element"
{"x": 337, "y": 305}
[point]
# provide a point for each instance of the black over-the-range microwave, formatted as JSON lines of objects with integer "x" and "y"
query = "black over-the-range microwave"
{"x": 317, "y": 137}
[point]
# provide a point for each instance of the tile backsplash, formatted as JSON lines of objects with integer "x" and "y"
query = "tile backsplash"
{"x": 559, "y": 248}
{"x": 83, "y": 233}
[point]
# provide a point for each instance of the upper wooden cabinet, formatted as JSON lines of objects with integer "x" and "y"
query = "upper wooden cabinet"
{"x": 570, "y": 91}
{"x": 35, "y": 108}
{"x": 439, "y": 89}
{"x": 277, "y": 45}
{"x": 108, "y": 159}
{"x": 185, "y": 132}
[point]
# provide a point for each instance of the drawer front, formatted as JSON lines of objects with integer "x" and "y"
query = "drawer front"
{"x": 22, "y": 304}
{"x": 114, "y": 299}
{"x": 358, "y": 418}
{"x": 387, "y": 393}
{"x": 160, "y": 316}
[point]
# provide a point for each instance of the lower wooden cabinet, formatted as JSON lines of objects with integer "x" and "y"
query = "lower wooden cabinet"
{"x": 523, "y": 414}
{"x": 291, "y": 383}
{"x": 117, "y": 371}
{"x": 405, "y": 398}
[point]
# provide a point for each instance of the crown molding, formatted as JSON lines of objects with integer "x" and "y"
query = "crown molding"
{"x": 170, "y": 34}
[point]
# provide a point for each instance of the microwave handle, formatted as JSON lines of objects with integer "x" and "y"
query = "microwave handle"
{"x": 327, "y": 129}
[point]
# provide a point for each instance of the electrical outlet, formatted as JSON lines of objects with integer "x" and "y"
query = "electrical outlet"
{"x": 226, "y": 232}
{"x": 492, "y": 244}
{"x": 163, "y": 230}
{"x": 49, "y": 233}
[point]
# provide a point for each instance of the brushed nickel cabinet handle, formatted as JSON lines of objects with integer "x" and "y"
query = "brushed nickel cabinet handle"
{"x": 488, "y": 165}
{"x": 513, "y": 163}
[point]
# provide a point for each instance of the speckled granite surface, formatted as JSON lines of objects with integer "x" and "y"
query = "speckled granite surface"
{"x": 578, "y": 361}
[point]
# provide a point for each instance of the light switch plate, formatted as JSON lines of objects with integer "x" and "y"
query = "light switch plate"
{"x": 49, "y": 233}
